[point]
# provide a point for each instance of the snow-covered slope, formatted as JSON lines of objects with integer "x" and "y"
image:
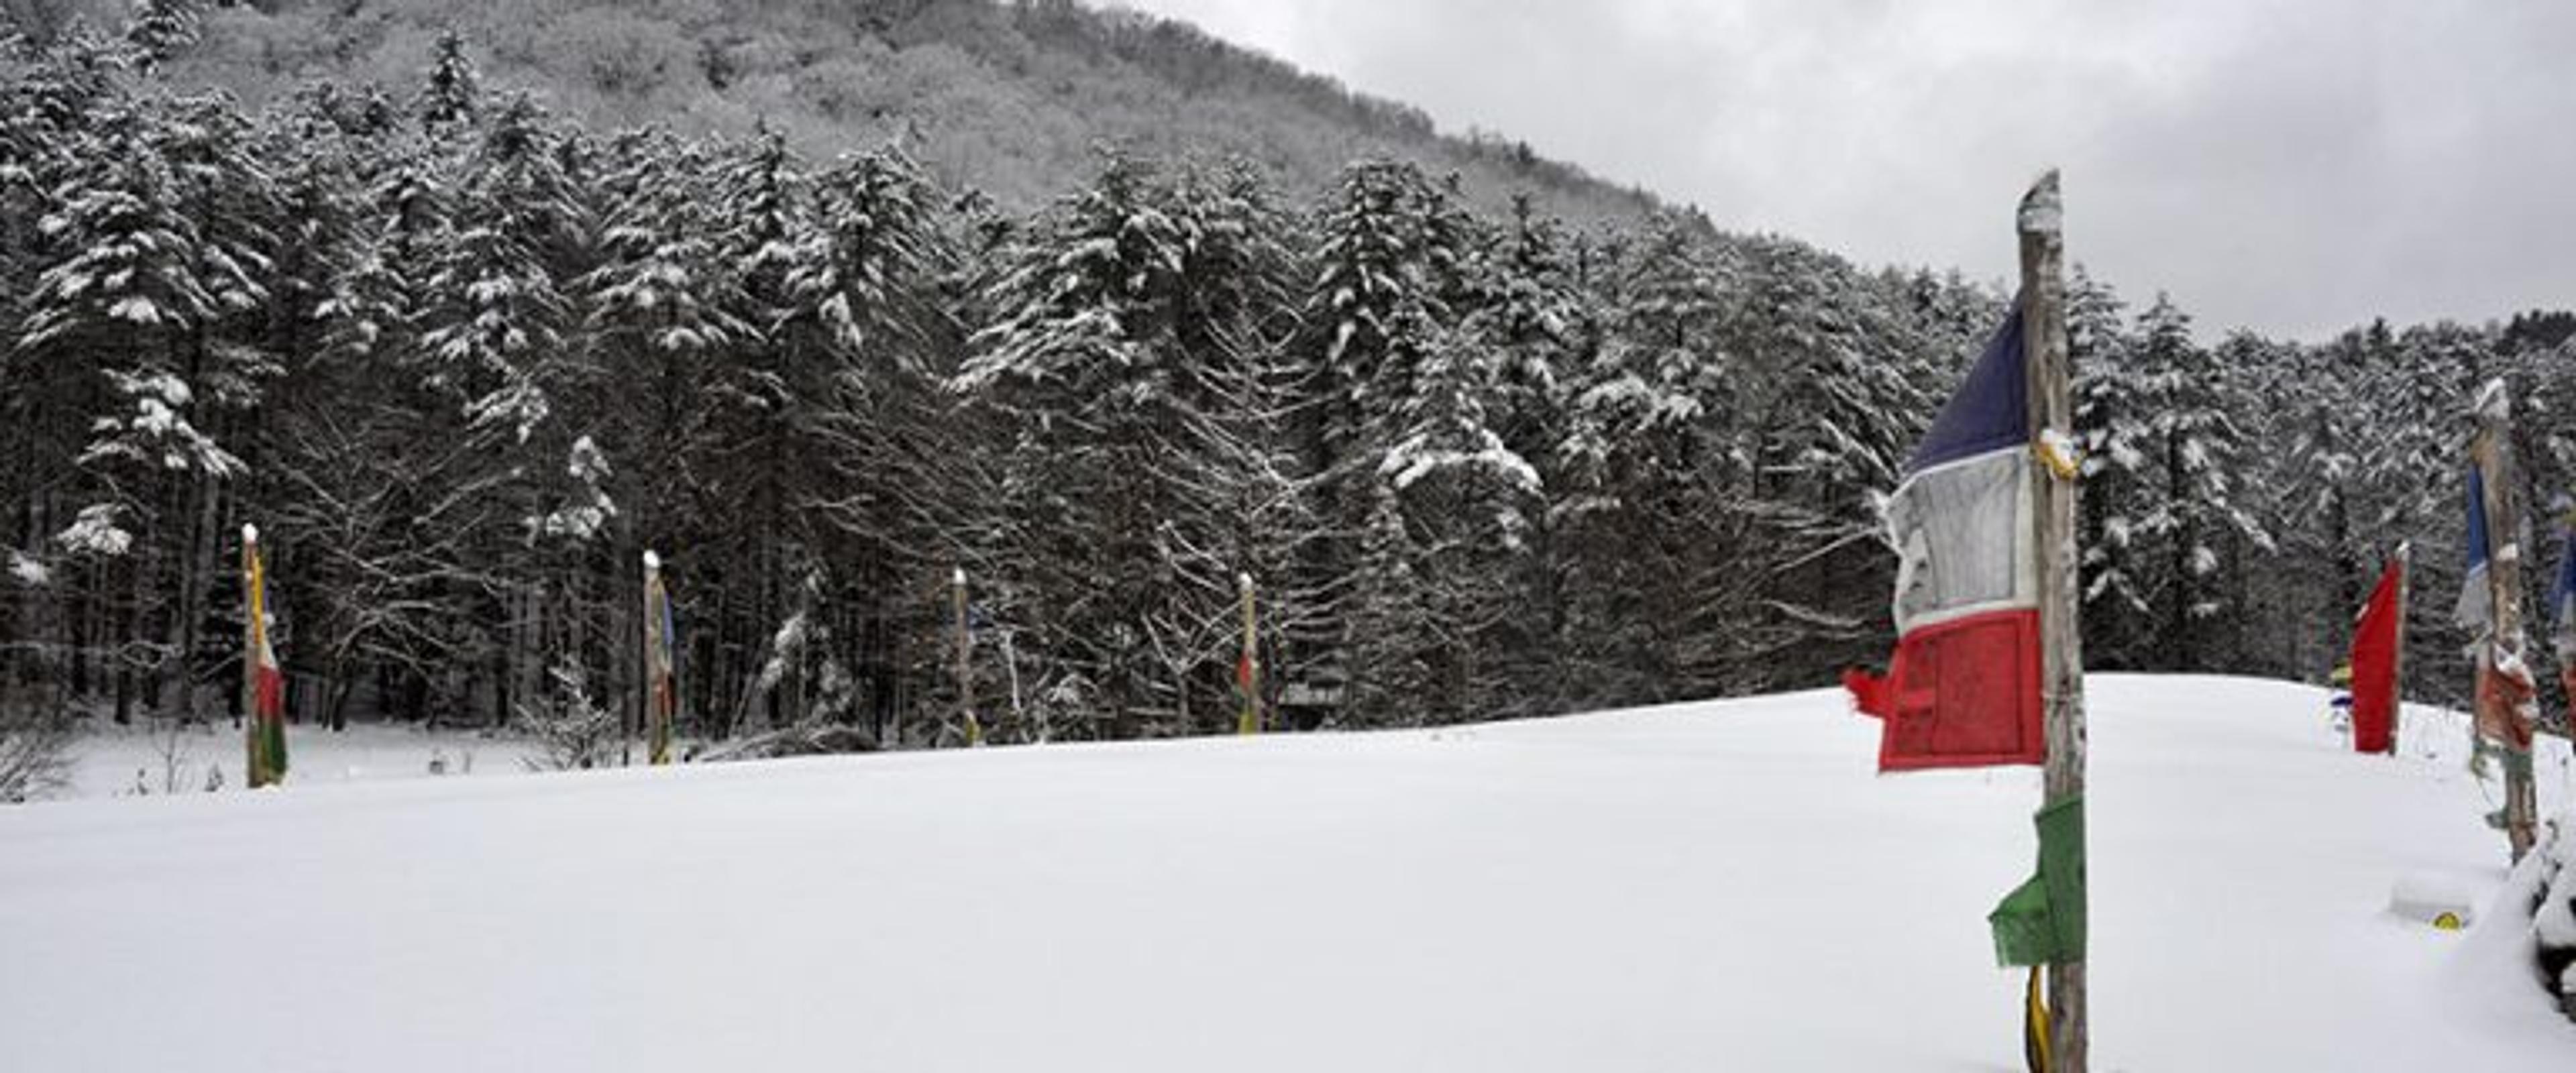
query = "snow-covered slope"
{"x": 1709, "y": 886}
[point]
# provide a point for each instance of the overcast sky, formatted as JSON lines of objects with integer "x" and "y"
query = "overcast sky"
{"x": 2295, "y": 167}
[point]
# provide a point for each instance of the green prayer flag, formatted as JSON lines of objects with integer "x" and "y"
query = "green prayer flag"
{"x": 272, "y": 740}
{"x": 2023, "y": 934}
{"x": 2042, "y": 921}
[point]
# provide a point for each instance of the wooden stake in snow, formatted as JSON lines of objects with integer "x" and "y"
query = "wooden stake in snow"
{"x": 661, "y": 677}
{"x": 965, "y": 661}
{"x": 1247, "y": 667}
{"x": 2061, "y": 652}
{"x": 263, "y": 684}
{"x": 2505, "y": 695}
{"x": 2397, "y": 689}
{"x": 250, "y": 659}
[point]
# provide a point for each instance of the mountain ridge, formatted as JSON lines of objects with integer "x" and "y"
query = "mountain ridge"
{"x": 1002, "y": 96}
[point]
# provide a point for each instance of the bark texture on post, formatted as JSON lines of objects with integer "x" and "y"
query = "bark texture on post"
{"x": 661, "y": 690}
{"x": 972, "y": 728}
{"x": 250, "y": 658}
{"x": 1248, "y": 668}
{"x": 2505, "y": 647}
{"x": 2397, "y": 660}
{"x": 644, "y": 688}
{"x": 2061, "y": 654}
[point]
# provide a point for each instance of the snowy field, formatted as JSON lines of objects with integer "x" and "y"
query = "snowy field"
{"x": 1699, "y": 887}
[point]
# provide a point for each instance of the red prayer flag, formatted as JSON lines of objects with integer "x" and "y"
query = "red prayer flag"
{"x": 2505, "y": 704}
{"x": 1965, "y": 693}
{"x": 1868, "y": 692}
{"x": 2374, "y": 668}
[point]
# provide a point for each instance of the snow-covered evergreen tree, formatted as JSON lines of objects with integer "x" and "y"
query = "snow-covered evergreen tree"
{"x": 495, "y": 344}
{"x": 1839, "y": 402}
{"x": 867, "y": 307}
{"x": 1530, "y": 317}
{"x": 495, "y": 329}
{"x": 2193, "y": 518}
{"x": 2112, "y": 428}
{"x": 451, "y": 94}
{"x": 1249, "y": 512}
{"x": 160, "y": 29}
{"x": 1655, "y": 472}
{"x": 1464, "y": 501}
{"x": 124, "y": 305}
{"x": 1086, "y": 359}
{"x": 1389, "y": 261}
{"x": 1401, "y": 388}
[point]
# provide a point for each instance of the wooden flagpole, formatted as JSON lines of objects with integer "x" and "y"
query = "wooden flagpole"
{"x": 643, "y": 666}
{"x": 1248, "y": 669}
{"x": 250, "y": 656}
{"x": 2397, "y": 661}
{"x": 973, "y": 729}
{"x": 2493, "y": 450}
{"x": 2061, "y": 651}
{"x": 660, "y": 691}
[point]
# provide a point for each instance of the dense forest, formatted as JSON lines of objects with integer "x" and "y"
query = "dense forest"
{"x": 463, "y": 360}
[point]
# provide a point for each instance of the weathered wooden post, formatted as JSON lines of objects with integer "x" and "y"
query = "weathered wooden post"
{"x": 629, "y": 731}
{"x": 965, "y": 661}
{"x": 661, "y": 684}
{"x": 2507, "y": 657}
{"x": 250, "y": 656}
{"x": 2044, "y": 349}
{"x": 263, "y": 683}
{"x": 2397, "y": 660}
{"x": 1247, "y": 667}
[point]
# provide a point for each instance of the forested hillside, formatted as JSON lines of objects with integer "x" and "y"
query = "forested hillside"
{"x": 463, "y": 358}
{"x": 1008, "y": 98}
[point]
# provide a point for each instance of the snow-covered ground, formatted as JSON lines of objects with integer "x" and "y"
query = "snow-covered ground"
{"x": 111, "y": 761}
{"x": 1708, "y": 886}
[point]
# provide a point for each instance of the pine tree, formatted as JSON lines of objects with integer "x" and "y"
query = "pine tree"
{"x": 160, "y": 29}
{"x": 2261, "y": 384}
{"x": 1085, "y": 361}
{"x": 495, "y": 344}
{"x": 1246, "y": 508}
{"x": 2111, "y": 427}
{"x": 498, "y": 310}
{"x": 451, "y": 95}
{"x": 1463, "y": 501}
{"x": 660, "y": 310}
{"x": 367, "y": 451}
{"x": 2193, "y": 518}
{"x": 1655, "y": 474}
{"x": 1388, "y": 265}
{"x": 123, "y": 295}
{"x": 867, "y": 300}
{"x": 1392, "y": 256}
{"x": 765, "y": 392}
{"x": 1529, "y": 321}
{"x": 1838, "y": 405}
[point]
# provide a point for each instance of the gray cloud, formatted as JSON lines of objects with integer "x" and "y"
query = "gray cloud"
{"x": 2291, "y": 167}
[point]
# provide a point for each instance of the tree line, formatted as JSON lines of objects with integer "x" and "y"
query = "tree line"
{"x": 463, "y": 362}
